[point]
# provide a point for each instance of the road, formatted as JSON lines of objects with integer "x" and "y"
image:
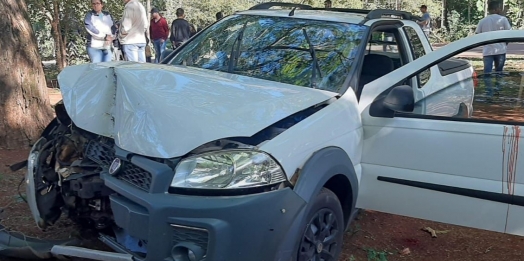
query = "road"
{"x": 513, "y": 50}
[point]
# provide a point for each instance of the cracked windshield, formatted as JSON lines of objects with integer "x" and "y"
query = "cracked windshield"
{"x": 309, "y": 53}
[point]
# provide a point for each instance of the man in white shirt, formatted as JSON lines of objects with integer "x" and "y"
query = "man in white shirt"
{"x": 132, "y": 31}
{"x": 494, "y": 53}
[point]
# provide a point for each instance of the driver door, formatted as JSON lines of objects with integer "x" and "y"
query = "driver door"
{"x": 457, "y": 170}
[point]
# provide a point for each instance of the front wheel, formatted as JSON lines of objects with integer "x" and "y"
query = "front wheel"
{"x": 324, "y": 231}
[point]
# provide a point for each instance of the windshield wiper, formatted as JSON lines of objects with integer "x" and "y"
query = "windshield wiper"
{"x": 233, "y": 58}
{"x": 315, "y": 62}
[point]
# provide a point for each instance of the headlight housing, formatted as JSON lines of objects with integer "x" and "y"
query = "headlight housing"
{"x": 228, "y": 169}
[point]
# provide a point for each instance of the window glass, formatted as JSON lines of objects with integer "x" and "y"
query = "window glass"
{"x": 280, "y": 49}
{"x": 418, "y": 51}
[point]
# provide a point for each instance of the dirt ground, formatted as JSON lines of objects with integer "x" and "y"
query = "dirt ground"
{"x": 374, "y": 236}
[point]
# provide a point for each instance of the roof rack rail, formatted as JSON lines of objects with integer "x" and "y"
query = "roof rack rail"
{"x": 370, "y": 14}
{"x": 379, "y": 13}
{"x": 276, "y": 4}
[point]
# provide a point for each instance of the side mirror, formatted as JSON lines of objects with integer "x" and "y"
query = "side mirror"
{"x": 165, "y": 53}
{"x": 400, "y": 99}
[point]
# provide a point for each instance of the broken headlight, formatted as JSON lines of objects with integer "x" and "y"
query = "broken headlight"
{"x": 228, "y": 170}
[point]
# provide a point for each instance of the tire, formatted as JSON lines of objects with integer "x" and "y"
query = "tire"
{"x": 323, "y": 232}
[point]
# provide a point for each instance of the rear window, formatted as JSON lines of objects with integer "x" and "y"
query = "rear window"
{"x": 277, "y": 49}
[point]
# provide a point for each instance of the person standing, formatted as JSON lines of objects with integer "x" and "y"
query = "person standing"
{"x": 180, "y": 29}
{"x": 425, "y": 21}
{"x": 327, "y": 4}
{"x": 493, "y": 54}
{"x": 132, "y": 33}
{"x": 101, "y": 31}
{"x": 158, "y": 32}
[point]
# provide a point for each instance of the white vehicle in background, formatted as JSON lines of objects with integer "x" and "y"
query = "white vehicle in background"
{"x": 260, "y": 137}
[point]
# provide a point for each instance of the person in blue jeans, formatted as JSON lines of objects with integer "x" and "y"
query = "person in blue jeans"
{"x": 132, "y": 31}
{"x": 101, "y": 31}
{"x": 493, "y": 54}
{"x": 159, "y": 32}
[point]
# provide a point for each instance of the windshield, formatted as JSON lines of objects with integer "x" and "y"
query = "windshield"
{"x": 309, "y": 53}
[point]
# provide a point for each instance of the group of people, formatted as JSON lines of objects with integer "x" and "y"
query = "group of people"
{"x": 129, "y": 35}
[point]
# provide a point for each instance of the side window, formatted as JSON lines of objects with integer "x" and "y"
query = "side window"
{"x": 383, "y": 42}
{"x": 418, "y": 51}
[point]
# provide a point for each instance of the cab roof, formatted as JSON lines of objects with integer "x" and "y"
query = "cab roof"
{"x": 356, "y": 16}
{"x": 319, "y": 15}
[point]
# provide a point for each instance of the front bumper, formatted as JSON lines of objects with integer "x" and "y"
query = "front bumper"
{"x": 250, "y": 227}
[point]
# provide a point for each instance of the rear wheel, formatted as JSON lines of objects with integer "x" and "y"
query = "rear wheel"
{"x": 323, "y": 233}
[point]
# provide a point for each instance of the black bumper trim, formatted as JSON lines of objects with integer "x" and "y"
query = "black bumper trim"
{"x": 248, "y": 227}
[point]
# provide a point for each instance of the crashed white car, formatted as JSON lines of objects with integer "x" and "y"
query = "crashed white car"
{"x": 257, "y": 140}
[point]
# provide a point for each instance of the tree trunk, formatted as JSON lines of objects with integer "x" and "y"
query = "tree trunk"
{"x": 24, "y": 102}
{"x": 61, "y": 56}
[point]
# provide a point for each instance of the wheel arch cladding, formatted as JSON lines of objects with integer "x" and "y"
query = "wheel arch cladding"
{"x": 331, "y": 168}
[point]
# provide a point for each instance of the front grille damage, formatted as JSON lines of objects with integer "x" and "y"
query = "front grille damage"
{"x": 104, "y": 154}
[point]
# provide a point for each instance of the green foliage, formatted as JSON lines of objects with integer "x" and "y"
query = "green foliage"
{"x": 462, "y": 15}
{"x": 374, "y": 255}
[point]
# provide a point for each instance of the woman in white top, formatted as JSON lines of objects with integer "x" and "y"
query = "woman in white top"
{"x": 101, "y": 31}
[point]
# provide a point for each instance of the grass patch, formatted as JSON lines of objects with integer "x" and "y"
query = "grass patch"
{"x": 374, "y": 255}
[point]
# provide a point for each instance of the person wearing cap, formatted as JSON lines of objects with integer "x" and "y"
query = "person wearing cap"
{"x": 158, "y": 33}
{"x": 425, "y": 21}
{"x": 327, "y": 4}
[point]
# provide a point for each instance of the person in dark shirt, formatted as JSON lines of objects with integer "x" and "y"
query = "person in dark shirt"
{"x": 181, "y": 30}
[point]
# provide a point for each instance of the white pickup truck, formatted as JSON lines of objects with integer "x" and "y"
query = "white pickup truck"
{"x": 260, "y": 137}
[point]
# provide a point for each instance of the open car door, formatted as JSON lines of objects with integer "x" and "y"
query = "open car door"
{"x": 458, "y": 170}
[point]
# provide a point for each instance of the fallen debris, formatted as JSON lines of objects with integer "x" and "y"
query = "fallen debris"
{"x": 405, "y": 252}
{"x": 28, "y": 248}
{"x": 434, "y": 232}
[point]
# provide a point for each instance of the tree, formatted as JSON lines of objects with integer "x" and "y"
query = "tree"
{"x": 24, "y": 102}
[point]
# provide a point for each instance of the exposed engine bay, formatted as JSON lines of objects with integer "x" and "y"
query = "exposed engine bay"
{"x": 66, "y": 175}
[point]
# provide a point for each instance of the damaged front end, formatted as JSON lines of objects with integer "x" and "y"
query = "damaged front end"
{"x": 63, "y": 175}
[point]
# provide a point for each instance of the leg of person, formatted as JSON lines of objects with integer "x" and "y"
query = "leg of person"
{"x": 500, "y": 60}
{"x": 488, "y": 68}
{"x": 156, "y": 44}
{"x": 162, "y": 49}
{"x": 141, "y": 52}
{"x": 131, "y": 51}
{"x": 107, "y": 55}
{"x": 95, "y": 55}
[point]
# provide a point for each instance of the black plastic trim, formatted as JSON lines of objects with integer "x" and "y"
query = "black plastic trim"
{"x": 452, "y": 65}
{"x": 473, "y": 193}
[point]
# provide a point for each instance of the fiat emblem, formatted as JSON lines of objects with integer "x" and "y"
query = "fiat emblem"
{"x": 115, "y": 166}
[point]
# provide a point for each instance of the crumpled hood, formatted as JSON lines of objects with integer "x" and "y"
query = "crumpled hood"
{"x": 167, "y": 111}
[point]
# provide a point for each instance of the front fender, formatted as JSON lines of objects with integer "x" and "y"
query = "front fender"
{"x": 323, "y": 165}
{"x": 320, "y": 168}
